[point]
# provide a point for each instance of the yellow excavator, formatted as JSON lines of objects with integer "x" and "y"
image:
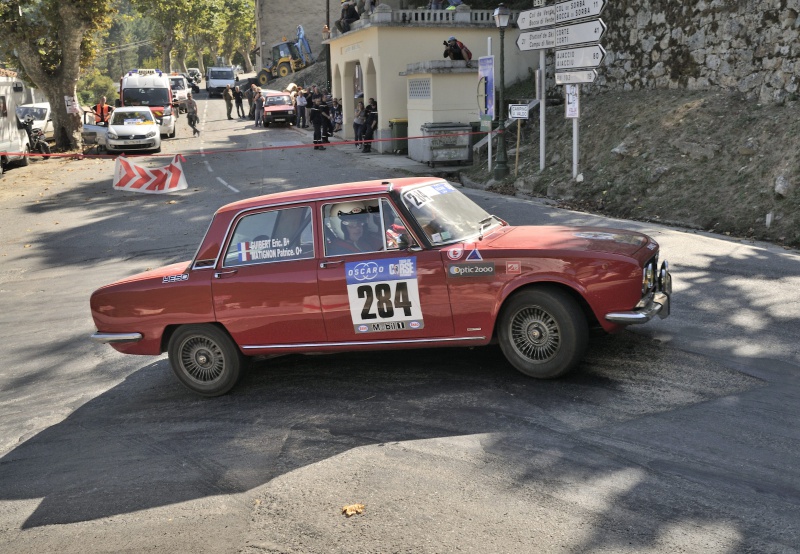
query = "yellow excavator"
{"x": 286, "y": 59}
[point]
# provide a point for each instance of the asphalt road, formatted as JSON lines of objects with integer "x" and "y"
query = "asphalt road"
{"x": 679, "y": 436}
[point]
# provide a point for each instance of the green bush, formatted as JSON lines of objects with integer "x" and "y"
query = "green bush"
{"x": 93, "y": 86}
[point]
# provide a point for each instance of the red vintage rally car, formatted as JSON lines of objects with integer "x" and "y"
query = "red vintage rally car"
{"x": 376, "y": 265}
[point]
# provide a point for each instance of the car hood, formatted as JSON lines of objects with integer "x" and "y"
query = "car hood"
{"x": 555, "y": 238}
{"x": 157, "y": 274}
{"x": 132, "y": 129}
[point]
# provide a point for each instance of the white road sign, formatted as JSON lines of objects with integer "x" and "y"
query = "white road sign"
{"x": 586, "y": 56}
{"x": 579, "y": 33}
{"x": 578, "y": 9}
{"x": 537, "y": 40}
{"x": 533, "y": 19}
{"x": 576, "y": 77}
{"x": 517, "y": 111}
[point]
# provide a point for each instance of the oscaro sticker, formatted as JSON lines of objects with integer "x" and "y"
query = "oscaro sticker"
{"x": 175, "y": 278}
{"x": 455, "y": 253}
{"x": 363, "y": 271}
{"x": 415, "y": 324}
{"x": 471, "y": 270}
{"x": 362, "y": 328}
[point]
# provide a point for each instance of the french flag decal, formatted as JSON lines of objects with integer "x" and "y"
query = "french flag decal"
{"x": 244, "y": 252}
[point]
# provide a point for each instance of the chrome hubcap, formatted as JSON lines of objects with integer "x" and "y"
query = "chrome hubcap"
{"x": 535, "y": 334}
{"x": 202, "y": 359}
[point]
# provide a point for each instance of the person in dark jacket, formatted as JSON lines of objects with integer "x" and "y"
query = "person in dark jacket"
{"x": 370, "y": 125}
{"x": 349, "y": 15}
{"x": 238, "y": 98}
{"x": 316, "y": 117}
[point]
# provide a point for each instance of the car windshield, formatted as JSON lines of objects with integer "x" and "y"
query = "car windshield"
{"x": 38, "y": 113}
{"x": 221, "y": 74}
{"x": 279, "y": 100}
{"x": 146, "y": 97}
{"x": 446, "y": 215}
{"x": 141, "y": 117}
{"x": 177, "y": 84}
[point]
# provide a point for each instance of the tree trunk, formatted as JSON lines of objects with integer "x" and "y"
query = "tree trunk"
{"x": 248, "y": 65}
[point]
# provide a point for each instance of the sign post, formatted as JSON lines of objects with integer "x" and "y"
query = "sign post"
{"x": 573, "y": 112}
{"x": 486, "y": 72}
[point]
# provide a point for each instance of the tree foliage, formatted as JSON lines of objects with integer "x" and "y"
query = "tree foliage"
{"x": 51, "y": 41}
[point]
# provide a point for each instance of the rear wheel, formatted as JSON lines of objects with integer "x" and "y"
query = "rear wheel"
{"x": 26, "y": 159}
{"x": 543, "y": 333}
{"x": 205, "y": 359}
{"x": 284, "y": 69}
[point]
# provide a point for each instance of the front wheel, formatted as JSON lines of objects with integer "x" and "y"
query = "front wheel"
{"x": 263, "y": 77}
{"x": 543, "y": 333}
{"x": 44, "y": 149}
{"x": 205, "y": 359}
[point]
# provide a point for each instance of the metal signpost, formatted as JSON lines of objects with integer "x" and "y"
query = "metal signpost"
{"x": 486, "y": 72}
{"x": 518, "y": 112}
{"x": 573, "y": 28}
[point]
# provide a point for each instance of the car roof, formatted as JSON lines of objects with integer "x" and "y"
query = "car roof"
{"x": 327, "y": 192}
{"x": 36, "y": 105}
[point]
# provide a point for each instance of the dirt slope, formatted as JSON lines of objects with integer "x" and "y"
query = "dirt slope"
{"x": 705, "y": 160}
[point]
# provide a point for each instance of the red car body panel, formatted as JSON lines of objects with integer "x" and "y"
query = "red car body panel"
{"x": 303, "y": 305}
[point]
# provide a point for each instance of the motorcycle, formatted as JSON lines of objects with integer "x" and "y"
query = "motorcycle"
{"x": 36, "y": 138}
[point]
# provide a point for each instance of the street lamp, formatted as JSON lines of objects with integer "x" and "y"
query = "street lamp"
{"x": 501, "y": 16}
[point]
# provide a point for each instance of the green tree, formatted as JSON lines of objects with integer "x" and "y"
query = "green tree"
{"x": 52, "y": 40}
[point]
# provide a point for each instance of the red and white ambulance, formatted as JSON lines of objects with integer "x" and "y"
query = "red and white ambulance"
{"x": 151, "y": 88}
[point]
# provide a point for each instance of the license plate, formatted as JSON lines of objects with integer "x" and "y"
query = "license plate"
{"x": 133, "y": 142}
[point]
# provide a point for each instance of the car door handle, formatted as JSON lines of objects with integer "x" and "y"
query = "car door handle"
{"x": 223, "y": 274}
{"x": 323, "y": 265}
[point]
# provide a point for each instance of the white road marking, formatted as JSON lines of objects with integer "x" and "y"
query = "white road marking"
{"x": 226, "y": 184}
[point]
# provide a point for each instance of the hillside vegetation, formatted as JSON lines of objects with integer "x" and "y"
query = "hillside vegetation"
{"x": 704, "y": 160}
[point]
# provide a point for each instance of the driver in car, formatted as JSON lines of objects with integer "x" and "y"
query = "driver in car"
{"x": 346, "y": 230}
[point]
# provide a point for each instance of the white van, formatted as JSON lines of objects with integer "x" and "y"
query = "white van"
{"x": 218, "y": 78}
{"x": 13, "y": 138}
{"x": 151, "y": 88}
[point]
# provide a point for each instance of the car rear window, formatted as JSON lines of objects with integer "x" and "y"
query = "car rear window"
{"x": 272, "y": 236}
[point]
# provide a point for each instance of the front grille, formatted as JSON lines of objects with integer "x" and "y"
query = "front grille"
{"x": 131, "y": 137}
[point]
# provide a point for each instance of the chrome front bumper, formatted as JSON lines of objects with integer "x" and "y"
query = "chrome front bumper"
{"x": 656, "y": 303}
{"x": 116, "y": 337}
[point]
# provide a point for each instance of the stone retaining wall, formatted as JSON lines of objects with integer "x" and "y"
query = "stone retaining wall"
{"x": 750, "y": 46}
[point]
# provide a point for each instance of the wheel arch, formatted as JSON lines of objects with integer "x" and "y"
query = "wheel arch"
{"x": 170, "y": 329}
{"x": 517, "y": 287}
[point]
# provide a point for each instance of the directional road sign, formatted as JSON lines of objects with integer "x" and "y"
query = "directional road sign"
{"x": 537, "y": 40}
{"x": 579, "y": 33}
{"x": 533, "y": 19}
{"x": 575, "y": 77}
{"x": 578, "y": 9}
{"x": 586, "y": 56}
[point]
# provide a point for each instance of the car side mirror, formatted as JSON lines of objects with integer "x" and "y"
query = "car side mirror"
{"x": 405, "y": 241}
{"x": 117, "y": 103}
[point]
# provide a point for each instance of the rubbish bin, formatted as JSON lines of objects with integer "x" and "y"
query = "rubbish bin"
{"x": 399, "y": 129}
{"x": 446, "y": 142}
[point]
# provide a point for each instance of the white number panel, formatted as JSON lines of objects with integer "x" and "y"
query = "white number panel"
{"x": 384, "y": 295}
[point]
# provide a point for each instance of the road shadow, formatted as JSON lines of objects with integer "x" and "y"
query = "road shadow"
{"x": 148, "y": 442}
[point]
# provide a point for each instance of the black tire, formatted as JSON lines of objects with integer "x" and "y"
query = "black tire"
{"x": 543, "y": 332}
{"x": 44, "y": 149}
{"x": 266, "y": 123}
{"x": 26, "y": 159}
{"x": 157, "y": 150}
{"x": 172, "y": 134}
{"x": 205, "y": 359}
{"x": 263, "y": 77}
{"x": 284, "y": 70}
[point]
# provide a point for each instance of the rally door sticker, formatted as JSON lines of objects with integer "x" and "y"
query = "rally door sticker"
{"x": 384, "y": 295}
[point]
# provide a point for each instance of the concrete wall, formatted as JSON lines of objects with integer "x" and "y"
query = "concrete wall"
{"x": 750, "y": 46}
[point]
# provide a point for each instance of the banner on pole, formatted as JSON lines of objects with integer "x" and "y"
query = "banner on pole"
{"x": 131, "y": 177}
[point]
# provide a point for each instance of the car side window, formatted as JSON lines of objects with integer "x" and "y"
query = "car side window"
{"x": 271, "y": 236}
{"x": 363, "y": 225}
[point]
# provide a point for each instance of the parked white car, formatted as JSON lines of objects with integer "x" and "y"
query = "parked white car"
{"x": 180, "y": 90}
{"x": 92, "y": 131}
{"x": 42, "y": 117}
{"x": 133, "y": 129}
